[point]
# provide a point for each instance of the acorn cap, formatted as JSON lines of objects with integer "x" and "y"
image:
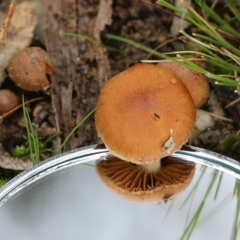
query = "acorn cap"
{"x": 144, "y": 113}
{"x": 135, "y": 183}
{"x": 195, "y": 82}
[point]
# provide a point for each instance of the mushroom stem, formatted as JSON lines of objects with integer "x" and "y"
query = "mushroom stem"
{"x": 152, "y": 167}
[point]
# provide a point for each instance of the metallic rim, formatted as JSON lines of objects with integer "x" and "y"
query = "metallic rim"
{"x": 86, "y": 154}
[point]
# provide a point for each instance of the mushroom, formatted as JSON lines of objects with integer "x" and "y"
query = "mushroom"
{"x": 194, "y": 81}
{"x": 140, "y": 184}
{"x": 8, "y": 101}
{"x": 29, "y": 67}
{"x": 144, "y": 114}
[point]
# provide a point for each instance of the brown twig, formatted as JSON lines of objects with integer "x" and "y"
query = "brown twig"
{"x": 19, "y": 106}
{"x": 6, "y": 22}
{"x": 233, "y": 103}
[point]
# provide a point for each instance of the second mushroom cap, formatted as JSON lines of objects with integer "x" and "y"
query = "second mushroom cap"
{"x": 29, "y": 67}
{"x": 195, "y": 82}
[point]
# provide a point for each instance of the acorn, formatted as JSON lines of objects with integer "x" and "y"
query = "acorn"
{"x": 8, "y": 101}
{"x": 29, "y": 67}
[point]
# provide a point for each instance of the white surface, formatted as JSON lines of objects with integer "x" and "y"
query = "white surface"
{"x": 74, "y": 204}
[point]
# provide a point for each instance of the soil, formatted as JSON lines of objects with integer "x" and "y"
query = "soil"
{"x": 81, "y": 68}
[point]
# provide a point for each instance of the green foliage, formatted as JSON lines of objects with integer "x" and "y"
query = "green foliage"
{"x": 32, "y": 137}
{"x": 231, "y": 143}
{"x": 89, "y": 39}
{"x": 217, "y": 42}
{"x": 36, "y": 148}
{"x": 75, "y": 129}
{"x": 20, "y": 151}
{"x": 237, "y": 215}
{"x": 3, "y": 181}
{"x": 191, "y": 226}
{"x": 5, "y": 176}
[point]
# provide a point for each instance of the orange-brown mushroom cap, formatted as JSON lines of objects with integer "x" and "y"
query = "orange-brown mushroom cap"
{"x": 8, "y": 101}
{"x": 29, "y": 67}
{"x": 195, "y": 82}
{"x": 133, "y": 182}
{"x": 144, "y": 113}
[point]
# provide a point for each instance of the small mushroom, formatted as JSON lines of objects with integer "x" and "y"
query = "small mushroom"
{"x": 144, "y": 114}
{"x": 195, "y": 82}
{"x": 140, "y": 183}
{"x": 8, "y": 101}
{"x": 29, "y": 67}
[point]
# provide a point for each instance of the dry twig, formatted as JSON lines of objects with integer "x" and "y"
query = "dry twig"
{"x": 6, "y": 22}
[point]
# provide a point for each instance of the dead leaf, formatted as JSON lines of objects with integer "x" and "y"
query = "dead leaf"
{"x": 19, "y": 35}
{"x": 179, "y": 23}
{"x": 14, "y": 163}
{"x": 78, "y": 77}
{"x": 104, "y": 18}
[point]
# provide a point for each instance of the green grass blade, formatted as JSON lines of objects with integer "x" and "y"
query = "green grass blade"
{"x": 235, "y": 8}
{"x": 236, "y": 219}
{"x": 187, "y": 63}
{"x": 32, "y": 137}
{"x": 188, "y": 231}
{"x": 27, "y": 120}
{"x": 194, "y": 188}
{"x": 221, "y": 23}
{"x": 91, "y": 40}
{"x": 218, "y": 186}
{"x": 138, "y": 45}
{"x": 74, "y": 130}
{"x": 220, "y": 79}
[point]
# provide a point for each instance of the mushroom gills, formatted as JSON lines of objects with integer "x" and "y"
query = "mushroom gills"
{"x": 139, "y": 183}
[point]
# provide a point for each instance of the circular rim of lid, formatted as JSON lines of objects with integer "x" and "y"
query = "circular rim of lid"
{"x": 93, "y": 152}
